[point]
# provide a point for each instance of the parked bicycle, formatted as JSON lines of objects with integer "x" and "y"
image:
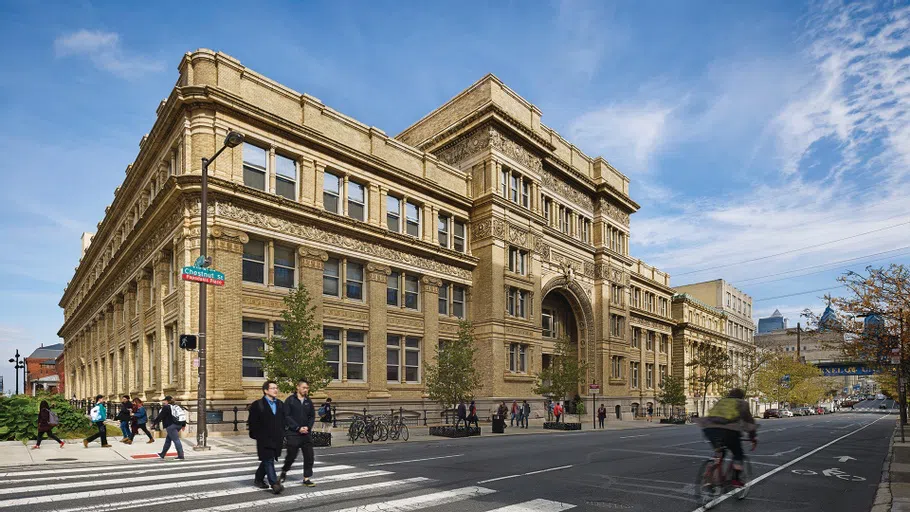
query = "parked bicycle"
{"x": 714, "y": 478}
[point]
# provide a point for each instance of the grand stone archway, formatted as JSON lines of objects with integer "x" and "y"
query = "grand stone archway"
{"x": 583, "y": 314}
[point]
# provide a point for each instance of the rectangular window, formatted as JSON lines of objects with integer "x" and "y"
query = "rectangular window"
{"x": 357, "y": 202}
{"x": 518, "y": 358}
{"x": 525, "y": 193}
{"x": 663, "y": 375}
{"x": 513, "y": 186}
{"x": 332, "y": 345}
{"x": 617, "y": 326}
{"x": 411, "y": 292}
{"x": 518, "y": 261}
{"x": 444, "y": 299}
{"x": 254, "y": 166}
{"x": 443, "y": 231}
{"x": 331, "y": 277}
{"x": 393, "y": 213}
{"x": 547, "y": 206}
{"x": 649, "y": 344}
{"x": 458, "y": 236}
{"x": 616, "y": 367}
{"x": 172, "y": 272}
{"x": 254, "y": 262}
{"x": 286, "y": 177}
{"x": 412, "y": 212}
{"x": 634, "y": 368}
{"x": 517, "y": 302}
{"x": 505, "y": 184}
{"x": 171, "y": 354}
{"x": 354, "y": 355}
{"x": 331, "y": 192}
{"x": 546, "y": 322}
{"x": 636, "y": 337}
{"x": 392, "y": 293}
{"x": 458, "y": 301}
{"x": 285, "y": 265}
{"x": 393, "y": 358}
{"x": 412, "y": 359}
{"x": 663, "y": 343}
{"x": 649, "y": 376}
{"x": 353, "y": 281}
{"x": 252, "y": 347}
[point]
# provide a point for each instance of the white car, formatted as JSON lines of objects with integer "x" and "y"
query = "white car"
{"x": 786, "y": 413}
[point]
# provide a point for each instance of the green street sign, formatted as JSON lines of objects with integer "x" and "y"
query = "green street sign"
{"x": 203, "y": 275}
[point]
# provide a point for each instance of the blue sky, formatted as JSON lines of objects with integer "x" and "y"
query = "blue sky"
{"x": 748, "y": 129}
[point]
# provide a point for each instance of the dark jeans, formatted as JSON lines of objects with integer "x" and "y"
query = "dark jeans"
{"x": 125, "y": 428}
{"x": 524, "y": 419}
{"x": 721, "y": 438}
{"x": 102, "y": 433}
{"x": 267, "y": 469}
{"x": 142, "y": 427}
{"x": 557, "y": 417}
{"x": 173, "y": 436}
{"x": 50, "y": 434}
{"x": 601, "y": 420}
{"x": 459, "y": 421}
{"x": 296, "y": 444}
{"x": 473, "y": 419}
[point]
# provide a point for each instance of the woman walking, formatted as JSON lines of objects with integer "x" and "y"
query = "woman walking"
{"x": 140, "y": 417}
{"x": 46, "y": 423}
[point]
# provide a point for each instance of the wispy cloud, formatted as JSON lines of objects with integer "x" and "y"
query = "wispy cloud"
{"x": 104, "y": 50}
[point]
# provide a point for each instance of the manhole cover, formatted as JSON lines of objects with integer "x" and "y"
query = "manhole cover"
{"x": 64, "y": 459}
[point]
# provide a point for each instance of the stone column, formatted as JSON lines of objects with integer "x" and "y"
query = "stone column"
{"x": 141, "y": 298}
{"x": 497, "y": 177}
{"x": 344, "y": 196}
{"x": 224, "y": 351}
{"x": 434, "y": 220}
{"x": 307, "y": 181}
{"x": 374, "y": 205}
{"x": 376, "y": 342}
{"x": 382, "y": 206}
{"x": 162, "y": 278}
{"x": 271, "y": 171}
{"x": 122, "y": 385}
{"x": 312, "y": 264}
{"x": 429, "y": 222}
{"x": 319, "y": 183}
{"x": 429, "y": 297}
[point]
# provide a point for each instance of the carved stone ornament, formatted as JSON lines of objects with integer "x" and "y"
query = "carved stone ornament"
{"x": 556, "y": 184}
{"x": 230, "y": 234}
{"x": 542, "y": 248}
{"x": 514, "y": 150}
{"x": 613, "y": 212}
{"x": 487, "y": 228}
{"x": 378, "y": 273}
{"x": 466, "y": 146}
{"x": 311, "y": 232}
{"x": 518, "y": 236}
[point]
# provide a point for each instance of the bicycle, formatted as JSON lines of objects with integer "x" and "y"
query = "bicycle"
{"x": 713, "y": 481}
{"x": 398, "y": 430}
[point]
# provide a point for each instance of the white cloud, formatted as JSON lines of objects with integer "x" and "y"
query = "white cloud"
{"x": 105, "y": 52}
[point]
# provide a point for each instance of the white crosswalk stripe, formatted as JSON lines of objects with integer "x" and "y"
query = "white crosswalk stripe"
{"x": 121, "y": 466}
{"x": 423, "y": 501}
{"x": 535, "y": 506}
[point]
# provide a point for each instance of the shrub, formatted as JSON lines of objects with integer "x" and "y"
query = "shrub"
{"x": 552, "y": 425}
{"x": 19, "y": 417}
{"x": 450, "y": 431}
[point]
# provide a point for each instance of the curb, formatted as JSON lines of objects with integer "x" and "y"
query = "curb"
{"x": 883, "y": 497}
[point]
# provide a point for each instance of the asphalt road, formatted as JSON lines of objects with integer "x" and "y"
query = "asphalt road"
{"x": 876, "y": 406}
{"x": 829, "y": 463}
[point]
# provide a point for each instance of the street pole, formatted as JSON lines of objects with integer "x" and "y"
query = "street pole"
{"x": 16, "y": 366}
{"x": 901, "y": 392}
{"x": 799, "y": 331}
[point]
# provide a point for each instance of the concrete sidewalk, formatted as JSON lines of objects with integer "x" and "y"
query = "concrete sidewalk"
{"x": 15, "y": 453}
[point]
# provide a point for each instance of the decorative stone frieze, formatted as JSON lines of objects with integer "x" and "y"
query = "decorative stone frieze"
{"x": 488, "y": 228}
{"x": 613, "y": 212}
{"x": 555, "y": 184}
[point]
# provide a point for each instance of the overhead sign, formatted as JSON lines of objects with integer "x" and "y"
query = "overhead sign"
{"x": 839, "y": 371}
{"x": 203, "y": 275}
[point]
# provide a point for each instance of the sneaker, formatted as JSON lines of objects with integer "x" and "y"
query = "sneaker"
{"x": 260, "y": 484}
{"x": 150, "y": 441}
{"x": 128, "y": 441}
{"x": 737, "y": 483}
{"x": 160, "y": 456}
{"x": 277, "y": 487}
{"x": 106, "y": 446}
{"x": 282, "y": 477}
{"x": 36, "y": 447}
{"x": 62, "y": 444}
{"x": 85, "y": 443}
{"x": 309, "y": 483}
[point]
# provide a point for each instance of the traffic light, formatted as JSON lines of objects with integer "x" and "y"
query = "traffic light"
{"x": 188, "y": 341}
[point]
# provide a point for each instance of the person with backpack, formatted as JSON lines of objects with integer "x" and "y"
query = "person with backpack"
{"x": 173, "y": 418}
{"x": 325, "y": 415}
{"x": 97, "y": 415}
{"x": 299, "y": 417}
{"x": 47, "y": 420}
{"x": 267, "y": 427}
{"x": 124, "y": 418}
{"x": 140, "y": 418}
{"x": 525, "y": 413}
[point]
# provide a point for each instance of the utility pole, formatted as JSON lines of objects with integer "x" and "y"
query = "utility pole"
{"x": 799, "y": 331}
{"x": 901, "y": 391}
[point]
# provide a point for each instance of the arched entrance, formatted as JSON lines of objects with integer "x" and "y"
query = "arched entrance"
{"x": 618, "y": 412}
{"x": 566, "y": 311}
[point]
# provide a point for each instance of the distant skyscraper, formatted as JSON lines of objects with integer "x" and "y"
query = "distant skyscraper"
{"x": 775, "y": 322}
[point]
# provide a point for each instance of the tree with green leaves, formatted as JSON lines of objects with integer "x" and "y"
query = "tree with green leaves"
{"x": 453, "y": 377}
{"x": 672, "y": 392}
{"x": 298, "y": 352}
{"x": 754, "y": 360}
{"x": 710, "y": 369}
{"x": 784, "y": 379}
{"x": 565, "y": 373}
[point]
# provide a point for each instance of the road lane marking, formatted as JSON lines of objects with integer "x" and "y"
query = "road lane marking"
{"x": 769, "y": 474}
{"x": 640, "y": 435}
{"x": 312, "y": 495}
{"x": 538, "y": 505}
{"x": 413, "y": 460}
{"x": 122, "y": 466}
{"x": 557, "y": 468}
{"x": 151, "y": 478}
{"x": 423, "y": 501}
{"x": 685, "y": 455}
{"x": 354, "y": 453}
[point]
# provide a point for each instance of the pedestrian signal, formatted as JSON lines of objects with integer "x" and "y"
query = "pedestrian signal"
{"x": 188, "y": 341}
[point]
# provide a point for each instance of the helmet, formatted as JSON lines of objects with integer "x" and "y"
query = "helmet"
{"x": 736, "y": 393}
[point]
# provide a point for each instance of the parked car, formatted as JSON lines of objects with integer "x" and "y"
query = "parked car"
{"x": 786, "y": 413}
{"x": 772, "y": 413}
{"x": 882, "y": 406}
{"x": 820, "y": 410}
{"x": 802, "y": 411}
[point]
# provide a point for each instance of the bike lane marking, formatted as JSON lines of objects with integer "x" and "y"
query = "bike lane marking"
{"x": 729, "y": 494}
{"x": 413, "y": 460}
{"x": 557, "y": 468}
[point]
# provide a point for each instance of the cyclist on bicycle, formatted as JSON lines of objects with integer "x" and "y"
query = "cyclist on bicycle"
{"x": 723, "y": 424}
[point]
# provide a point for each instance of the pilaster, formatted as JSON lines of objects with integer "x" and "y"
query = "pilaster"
{"x": 376, "y": 342}
{"x": 312, "y": 264}
{"x": 430, "y": 307}
{"x": 224, "y": 351}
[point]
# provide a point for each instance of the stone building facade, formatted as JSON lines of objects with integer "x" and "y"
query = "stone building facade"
{"x": 477, "y": 211}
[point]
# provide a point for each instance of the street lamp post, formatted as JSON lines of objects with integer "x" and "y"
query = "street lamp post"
{"x": 233, "y": 139}
{"x": 17, "y": 364}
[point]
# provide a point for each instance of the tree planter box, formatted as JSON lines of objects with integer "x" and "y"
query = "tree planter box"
{"x": 321, "y": 438}
{"x": 450, "y": 431}
{"x": 673, "y": 422}
{"x": 552, "y": 425}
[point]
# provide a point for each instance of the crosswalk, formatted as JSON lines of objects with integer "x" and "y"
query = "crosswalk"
{"x": 225, "y": 483}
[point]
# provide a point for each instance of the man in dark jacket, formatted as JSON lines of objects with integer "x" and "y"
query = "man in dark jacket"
{"x": 299, "y": 416}
{"x": 172, "y": 426}
{"x": 124, "y": 418}
{"x": 462, "y": 415}
{"x": 267, "y": 425}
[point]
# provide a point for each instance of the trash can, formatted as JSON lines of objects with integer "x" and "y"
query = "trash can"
{"x": 499, "y": 424}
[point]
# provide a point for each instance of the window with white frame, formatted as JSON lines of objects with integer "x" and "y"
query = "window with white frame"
{"x": 442, "y": 229}
{"x": 514, "y": 180}
{"x": 393, "y": 358}
{"x": 403, "y": 289}
{"x": 331, "y": 192}
{"x": 517, "y": 302}
{"x": 152, "y": 286}
{"x": 355, "y": 355}
{"x": 253, "y": 266}
{"x": 526, "y": 193}
{"x": 451, "y": 300}
{"x": 331, "y": 278}
{"x": 649, "y": 344}
{"x": 518, "y": 260}
{"x": 357, "y": 201}
{"x": 444, "y": 299}
{"x": 286, "y": 177}
{"x": 412, "y": 219}
{"x": 411, "y": 292}
{"x": 284, "y": 260}
{"x": 137, "y": 374}
{"x": 393, "y": 213}
{"x": 253, "y": 344}
{"x": 616, "y": 367}
{"x": 353, "y": 281}
{"x": 393, "y": 289}
{"x": 634, "y": 367}
{"x": 153, "y": 360}
{"x": 170, "y": 332}
{"x": 663, "y": 343}
{"x": 458, "y": 236}
{"x": 617, "y": 326}
{"x": 338, "y": 270}
{"x": 458, "y": 300}
{"x": 406, "y": 356}
{"x": 518, "y": 358}
{"x": 547, "y": 206}
{"x": 663, "y": 375}
{"x": 546, "y": 323}
{"x": 649, "y": 376}
{"x": 505, "y": 182}
{"x": 332, "y": 345}
{"x": 172, "y": 272}
{"x": 636, "y": 337}
{"x": 411, "y": 359}
{"x": 255, "y": 166}
{"x": 616, "y": 294}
